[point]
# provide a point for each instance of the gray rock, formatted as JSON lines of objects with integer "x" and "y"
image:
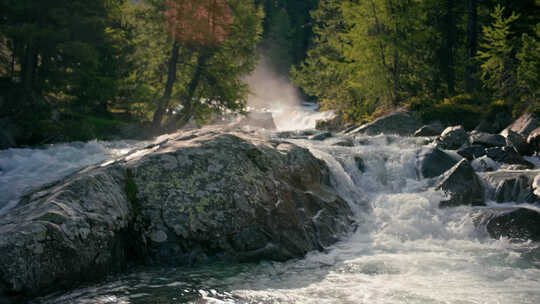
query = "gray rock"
{"x": 507, "y": 155}
{"x": 522, "y": 224}
{"x": 433, "y": 162}
{"x": 472, "y": 152}
{"x": 452, "y": 138}
{"x": 434, "y": 129}
{"x": 534, "y": 140}
{"x": 525, "y": 124}
{"x": 197, "y": 197}
{"x": 344, "y": 142}
{"x": 462, "y": 185}
{"x": 487, "y": 140}
{"x": 517, "y": 141}
{"x": 400, "y": 123}
{"x": 485, "y": 164}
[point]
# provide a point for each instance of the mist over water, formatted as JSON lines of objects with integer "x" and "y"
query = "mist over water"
{"x": 271, "y": 92}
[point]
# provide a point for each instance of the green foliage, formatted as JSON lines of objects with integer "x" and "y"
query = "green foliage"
{"x": 498, "y": 71}
{"x": 528, "y": 71}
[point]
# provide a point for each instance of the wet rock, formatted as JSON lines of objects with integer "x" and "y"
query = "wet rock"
{"x": 484, "y": 164}
{"x": 434, "y": 129}
{"x": 433, "y": 162}
{"x": 472, "y": 152}
{"x": 360, "y": 164}
{"x": 534, "y": 140}
{"x": 522, "y": 224}
{"x": 517, "y": 141}
{"x": 525, "y": 124}
{"x": 452, "y": 138}
{"x": 487, "y": 140}
{"x": 263, "y": 120}
{"x": 320, "y": 136}
{"x": 507, "y": 155}
{"x": 400, "y": 123}
{"x": 197, "y": 197}
{"x": 462, "y": 185}
{"x": 510, "y": 186}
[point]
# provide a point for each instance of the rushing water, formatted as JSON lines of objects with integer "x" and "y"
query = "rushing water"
{"x": 405, "y": 250}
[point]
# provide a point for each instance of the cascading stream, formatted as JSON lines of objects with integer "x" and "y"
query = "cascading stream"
{"x": 405, "y": 250}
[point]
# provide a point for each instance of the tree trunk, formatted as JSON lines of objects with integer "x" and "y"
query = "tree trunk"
{"x": 28, "y": 71}
{"x": 187, "y": 111}
{"x": 163, "y": 102}
{"x": 472, "y": 45}
{"x": 449, "y": 35}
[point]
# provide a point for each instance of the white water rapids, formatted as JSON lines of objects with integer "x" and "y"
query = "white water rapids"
{"x": 405, "y": 250}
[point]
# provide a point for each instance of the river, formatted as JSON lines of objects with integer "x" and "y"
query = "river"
{"x": 405, "y": 250}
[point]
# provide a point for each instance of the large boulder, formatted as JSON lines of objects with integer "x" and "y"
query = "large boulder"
{"x": 192, "y": 198}
{"x": 511, "y": 186}
{"x": 525, "y": 124}
{"x": 462, "y": 185}
{"x": 432, "y": 162}
{"x": 521, "y": 223}
{"x": 400, "y": 123}
{"x": 452, "y": 138}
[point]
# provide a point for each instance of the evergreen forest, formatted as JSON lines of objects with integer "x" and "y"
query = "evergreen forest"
{"x": 77, "y": 70}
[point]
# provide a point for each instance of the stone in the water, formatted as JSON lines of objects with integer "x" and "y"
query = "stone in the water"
{"x": 507, "y": 155}
{"x": 452, "y": 138}
{"x": 484, "y": 164}
{"x": 511, "y": 186}
{"x": 521, "y": 224}
{"x": 196, "y": 197}
{"x": 433, "y": 162}
{"x": 462, "y": 185}
{"x": 534, "y": 140}
{"x": 517, "y": 141}
{"x": 472, "y": 152}
{"x": 344, "y": 142}
{"x": 400, "y": 123}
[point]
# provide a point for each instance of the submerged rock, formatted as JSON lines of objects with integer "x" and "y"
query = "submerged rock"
{"x": 196, "y": 197}
{"x": 321, "y": 136}
{"x": 432, "y": 162}
{"x": 462, "y": 185}
{"x": 522, "y": 224}
{"x": 452, "y": 138}
{"x": 400, "y": 123}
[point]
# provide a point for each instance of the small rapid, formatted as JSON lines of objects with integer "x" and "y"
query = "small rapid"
{"x": 405, "y": 249}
